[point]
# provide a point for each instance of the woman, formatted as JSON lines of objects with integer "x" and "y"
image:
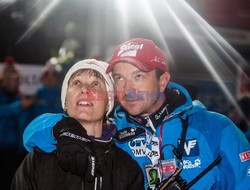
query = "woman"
{"x": 85, "y": 99}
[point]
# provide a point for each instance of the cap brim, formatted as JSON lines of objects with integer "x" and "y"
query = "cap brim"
{"x": 142, "y": 66}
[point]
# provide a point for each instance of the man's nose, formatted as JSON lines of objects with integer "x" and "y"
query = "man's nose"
{"x": 128, "y": 85}
{"x": 129, "y": 91}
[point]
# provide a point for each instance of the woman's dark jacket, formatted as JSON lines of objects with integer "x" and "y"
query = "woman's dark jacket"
{"x": 40, "y": 171}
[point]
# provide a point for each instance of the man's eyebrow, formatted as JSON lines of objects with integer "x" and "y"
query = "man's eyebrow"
{"x": 137, "y": 71}
{"x": 133, "y": 72}
{"x": 116, "y": 74}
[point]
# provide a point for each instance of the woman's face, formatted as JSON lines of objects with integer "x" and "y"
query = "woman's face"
{"x": 86, "y": 97}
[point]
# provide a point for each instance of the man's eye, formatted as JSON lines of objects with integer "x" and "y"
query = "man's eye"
{"x": 118, "y": 78}
{"x": 139, "y": 76}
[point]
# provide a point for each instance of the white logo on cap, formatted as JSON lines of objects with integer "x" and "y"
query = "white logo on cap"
{"x": 158, "y": 60}
{"x": 129, "y": 50}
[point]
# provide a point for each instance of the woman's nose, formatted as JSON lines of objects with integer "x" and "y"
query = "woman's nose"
{"x": 85, "y": 89}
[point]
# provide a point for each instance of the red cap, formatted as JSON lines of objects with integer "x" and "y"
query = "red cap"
{"x": 142, "y": 53}
{"x": 9, "y": 60}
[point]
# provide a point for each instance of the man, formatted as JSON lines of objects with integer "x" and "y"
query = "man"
{"x": 172, "y": 138}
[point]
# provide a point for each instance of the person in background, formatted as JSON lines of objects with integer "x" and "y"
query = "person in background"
{"x": 48, "y": 94}
{"x": 12, "y": 108}
{"x": 101, "y": 165}
{"x": 173, "y": 138}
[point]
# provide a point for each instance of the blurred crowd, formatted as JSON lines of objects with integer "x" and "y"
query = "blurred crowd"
{"x": 18, "y": 109}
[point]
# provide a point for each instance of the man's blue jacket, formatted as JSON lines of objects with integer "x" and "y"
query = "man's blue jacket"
{"x": 208, "y": 136}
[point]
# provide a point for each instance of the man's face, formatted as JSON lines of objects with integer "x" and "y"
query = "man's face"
{"x": 86, "y": 98}
{"x": 137, "y": 91}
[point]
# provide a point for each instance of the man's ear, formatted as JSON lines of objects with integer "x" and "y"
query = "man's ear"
{"x": 163, "y": 81}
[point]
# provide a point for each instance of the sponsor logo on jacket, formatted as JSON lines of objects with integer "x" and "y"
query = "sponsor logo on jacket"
{"x": 244, "y": 156}
{"x": 138, "y": 146}
{"x": 127, "y": 133}
{"x": 74, "y": 136}
{"x": 191, "y": 148}
{"x": 187, "y": 164}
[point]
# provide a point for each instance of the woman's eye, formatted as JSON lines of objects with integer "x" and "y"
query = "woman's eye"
{"x": 96, "y": 84}
{"x": 76, "y": 83}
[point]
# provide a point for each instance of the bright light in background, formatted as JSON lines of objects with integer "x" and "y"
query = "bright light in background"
{"x": 210, "y": 59}
{"x": 214, "y": 51}
{"x": 150, "y": 17}
{"x": 42, "y": 17}
{"x": 5, "y": 3}
{"x": 102, "y": 24}
{"x": 226, "y": 49}
{"x": 123, "y": 9}
{"x": 144, "y": 11}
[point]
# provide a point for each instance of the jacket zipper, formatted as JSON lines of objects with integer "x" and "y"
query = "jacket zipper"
{"x": 98, "y": 183}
